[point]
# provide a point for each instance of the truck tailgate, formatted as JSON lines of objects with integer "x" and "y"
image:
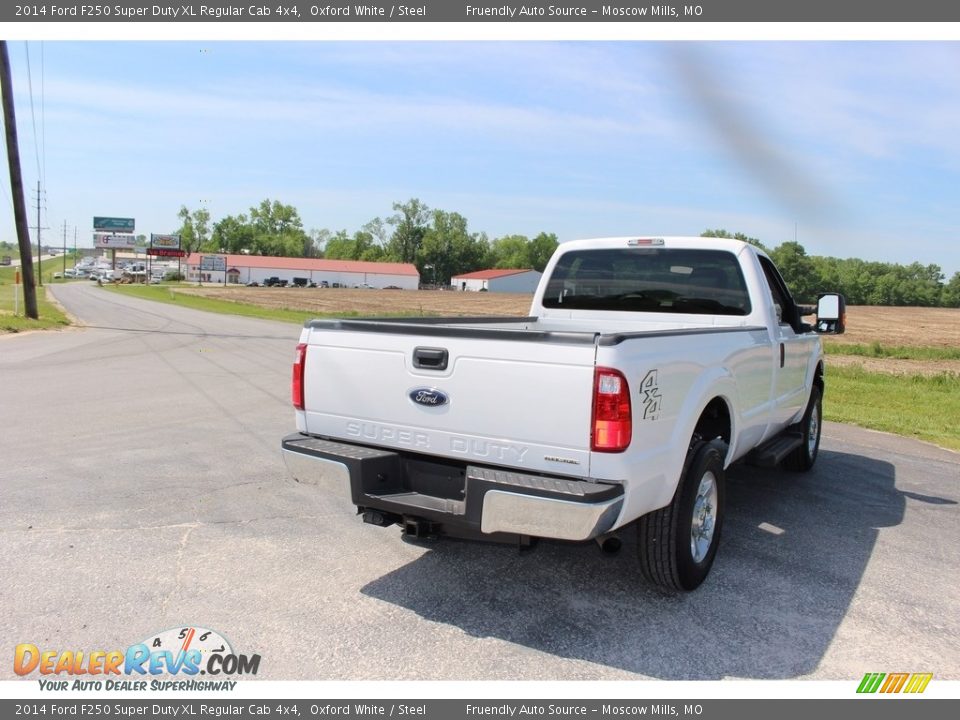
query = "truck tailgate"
{"x": 513, "y": 402}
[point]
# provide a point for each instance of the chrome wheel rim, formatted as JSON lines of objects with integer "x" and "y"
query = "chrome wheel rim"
{"x": 813, "y": 431}
{"x": 704, "y": 517}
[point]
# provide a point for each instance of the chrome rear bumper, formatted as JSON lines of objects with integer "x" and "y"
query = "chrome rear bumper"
{"x": 488, "y": 501}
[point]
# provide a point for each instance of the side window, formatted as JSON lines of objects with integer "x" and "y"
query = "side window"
{"x": 786, "y": 309}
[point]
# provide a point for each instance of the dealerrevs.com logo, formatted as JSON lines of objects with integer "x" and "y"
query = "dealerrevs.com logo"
{"x": 170, "y": 660}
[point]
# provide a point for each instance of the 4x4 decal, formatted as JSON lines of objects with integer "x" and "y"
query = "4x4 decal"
{"x": 651, "y": 396}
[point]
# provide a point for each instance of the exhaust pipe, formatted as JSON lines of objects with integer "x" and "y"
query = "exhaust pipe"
{"x": 608, "y": 544}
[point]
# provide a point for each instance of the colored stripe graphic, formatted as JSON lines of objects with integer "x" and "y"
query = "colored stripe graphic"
{"x": 870, "y": 682}
{"x": 894, "y": 682}
{"x": 918, "y": 682}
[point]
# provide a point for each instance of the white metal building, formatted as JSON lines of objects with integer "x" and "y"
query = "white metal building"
{"x": 243, "y": 269}
{"x": 513, "y": 281}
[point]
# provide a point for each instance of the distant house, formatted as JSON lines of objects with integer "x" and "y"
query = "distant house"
{"x": 515, "y": 281}
{"x": 243, "y": 269}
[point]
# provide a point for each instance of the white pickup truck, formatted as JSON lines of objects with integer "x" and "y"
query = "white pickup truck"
{"x": 646, "y": 367}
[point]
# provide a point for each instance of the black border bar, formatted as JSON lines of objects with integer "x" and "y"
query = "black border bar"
{"x": 481, "y": 11}
{"x": 486, "y": 709}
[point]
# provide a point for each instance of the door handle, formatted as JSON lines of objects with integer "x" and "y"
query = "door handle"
{"x": 427, "y": 358}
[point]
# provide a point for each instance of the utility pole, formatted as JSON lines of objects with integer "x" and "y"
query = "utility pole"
{"x": 38, "y": 229}
{"x": 64, "y": 247}
{"x": 16, "y": 185}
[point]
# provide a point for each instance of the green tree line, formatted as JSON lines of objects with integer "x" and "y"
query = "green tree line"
{"x": 861, "y": 282}
{"x": 438, "y": 242}
{"x": 441, "y": 245}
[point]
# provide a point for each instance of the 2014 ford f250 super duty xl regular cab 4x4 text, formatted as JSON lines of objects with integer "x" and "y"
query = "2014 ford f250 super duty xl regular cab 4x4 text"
{"x": 647, "y": 366}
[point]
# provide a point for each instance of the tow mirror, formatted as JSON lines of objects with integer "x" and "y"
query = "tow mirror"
{"x": 831, "y": 314}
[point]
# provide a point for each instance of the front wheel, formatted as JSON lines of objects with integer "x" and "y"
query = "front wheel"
{"x": 677, "y": 543}
{"x": 811, "y": 426}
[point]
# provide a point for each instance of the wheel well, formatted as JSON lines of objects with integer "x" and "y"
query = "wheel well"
{"x": 818, "y": 377}
{"x": 714, "y": 422}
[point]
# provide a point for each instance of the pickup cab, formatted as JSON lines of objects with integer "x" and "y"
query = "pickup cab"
{"x": 647, "y": 365}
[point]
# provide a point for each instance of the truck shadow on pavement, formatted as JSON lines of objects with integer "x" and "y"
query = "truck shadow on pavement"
{"x": 793, "y": 552}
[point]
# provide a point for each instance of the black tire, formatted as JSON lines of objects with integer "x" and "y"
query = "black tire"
{"x": 811, "y": 427}
{"x": 670, "y": 555}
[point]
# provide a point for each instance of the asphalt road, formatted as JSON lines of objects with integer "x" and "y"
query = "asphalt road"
{"x": 141, "y": 489}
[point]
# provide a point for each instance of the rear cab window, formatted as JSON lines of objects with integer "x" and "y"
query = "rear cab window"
{"x": 664, "y": 280}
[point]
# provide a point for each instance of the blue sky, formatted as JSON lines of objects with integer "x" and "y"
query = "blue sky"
{"x": 852, "y": 146}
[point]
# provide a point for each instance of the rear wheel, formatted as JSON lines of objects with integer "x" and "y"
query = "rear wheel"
{"x": 803, "y": 458}
{"x": 677, "y": 543}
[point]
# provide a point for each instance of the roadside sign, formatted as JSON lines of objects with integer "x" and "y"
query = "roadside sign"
{"x": 213, "y": 263}
{"x": 166, "y": 252}
{"x": 104, "y": 240}
{"x": 165, "y": 241}
{"x": 113, "y": 224}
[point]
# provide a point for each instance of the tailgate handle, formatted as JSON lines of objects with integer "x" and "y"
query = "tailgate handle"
{"x": 430, "y": 358}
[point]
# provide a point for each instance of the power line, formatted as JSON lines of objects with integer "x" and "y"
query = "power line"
{"x": 33, "y": 115}
{"x": 43, "y": 114}
{"x": 4, "y": 185}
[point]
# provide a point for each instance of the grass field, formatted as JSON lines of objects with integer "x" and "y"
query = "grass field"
{"x": 182, "y": 296}
{"x": 925, "y": 407}
{"x": 50, "y": 315}
{"x": 895, "y": 369}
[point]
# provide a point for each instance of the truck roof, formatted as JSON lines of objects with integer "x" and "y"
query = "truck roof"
{"x": 677, "y": 241}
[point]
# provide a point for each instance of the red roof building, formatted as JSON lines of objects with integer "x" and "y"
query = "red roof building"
{"x": 489, "y": 274}
{"x": 246, "y": 269}
{"x": 502, "y": 280}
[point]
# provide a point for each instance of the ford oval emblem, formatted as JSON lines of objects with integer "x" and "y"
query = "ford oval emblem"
{"x": 431, "y": 397}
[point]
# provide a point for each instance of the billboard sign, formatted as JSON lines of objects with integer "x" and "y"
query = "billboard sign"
{"x": 104, "y": 240}
{"x": 164, "y": 241}
{"x": 213, "y": 263}
{"x": 113, "y": 224}
{"x": 166, "y": 252}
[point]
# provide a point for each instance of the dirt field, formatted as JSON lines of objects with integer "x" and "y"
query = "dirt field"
{"x": 893, "y": 326}
{"x": 374, "y": 302}
{"x": 899, "y": 326}
{"x": 889, "y": 326}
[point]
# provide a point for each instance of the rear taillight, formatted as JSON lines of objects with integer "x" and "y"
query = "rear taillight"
{"x": 296, "y": 387}
{"x": 612, "y": 426}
